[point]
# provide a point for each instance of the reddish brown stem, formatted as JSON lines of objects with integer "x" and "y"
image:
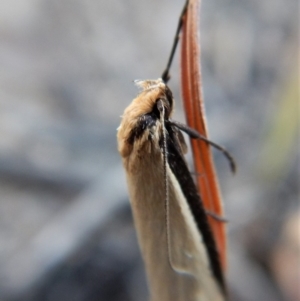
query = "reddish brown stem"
{"x": 195, "y": 117}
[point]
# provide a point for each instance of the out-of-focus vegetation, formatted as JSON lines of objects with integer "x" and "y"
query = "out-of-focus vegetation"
{"x": 66, "y": 74}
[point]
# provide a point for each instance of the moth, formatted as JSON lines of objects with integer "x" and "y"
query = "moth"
{"x": 173, "y": 231}
{"x": 176, "y": 241}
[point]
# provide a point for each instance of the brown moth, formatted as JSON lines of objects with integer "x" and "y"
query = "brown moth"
{"x": 178, "y": 247}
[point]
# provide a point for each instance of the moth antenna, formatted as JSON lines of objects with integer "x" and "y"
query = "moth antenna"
{"x": 166, "y": 75}
{"x": 195, "y": 135}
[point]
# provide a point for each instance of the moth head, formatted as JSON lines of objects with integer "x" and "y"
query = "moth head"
{"x": 160, "y": 92}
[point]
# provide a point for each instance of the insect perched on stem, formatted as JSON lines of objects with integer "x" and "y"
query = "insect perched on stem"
{"x": 177, "y": 243}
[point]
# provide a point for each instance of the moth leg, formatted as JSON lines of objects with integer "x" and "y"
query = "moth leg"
{"x": 195, "y": 135}
{"x": 216, "y": 216}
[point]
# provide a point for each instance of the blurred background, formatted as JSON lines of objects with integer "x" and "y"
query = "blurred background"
{"x": 66, "y": 72}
